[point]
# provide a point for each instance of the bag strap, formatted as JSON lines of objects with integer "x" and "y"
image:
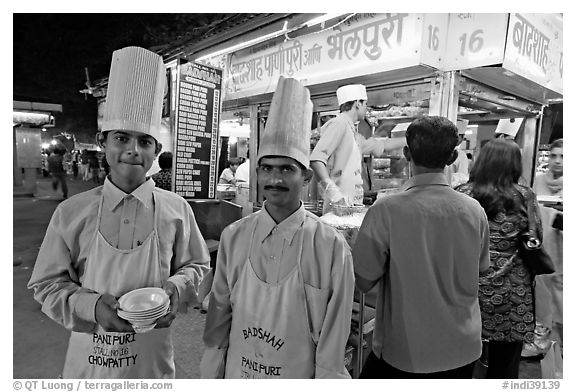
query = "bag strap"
{"x": 528, "y": 203}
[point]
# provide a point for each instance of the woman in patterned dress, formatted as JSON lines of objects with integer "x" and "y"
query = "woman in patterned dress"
{"x": 506, "y": 291}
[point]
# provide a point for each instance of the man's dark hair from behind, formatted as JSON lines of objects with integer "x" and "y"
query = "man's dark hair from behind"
{"x": 347, "y": 106}
{"x": 431, "y": 140}
{"x": 165, "y": 160}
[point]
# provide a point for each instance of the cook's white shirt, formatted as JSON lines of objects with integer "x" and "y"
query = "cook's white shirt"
{"x": 126, "y": 220}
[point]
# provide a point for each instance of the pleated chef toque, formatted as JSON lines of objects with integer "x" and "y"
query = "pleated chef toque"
{"x": 462, "y": 126}
{"x": 287, "y": 131}
{"x": 509, "y": 126}
{"x": 351, "y": 92}
{"x": 135, "y": 92}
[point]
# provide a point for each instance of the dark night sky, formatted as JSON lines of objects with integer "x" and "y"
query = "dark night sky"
{"x": 51, "y": 50}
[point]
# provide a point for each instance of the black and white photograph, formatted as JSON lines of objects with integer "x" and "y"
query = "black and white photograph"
{"x": 292, "y": 195}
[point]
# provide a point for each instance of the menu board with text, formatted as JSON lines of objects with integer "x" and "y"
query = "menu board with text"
{"x": 196, "y": 131}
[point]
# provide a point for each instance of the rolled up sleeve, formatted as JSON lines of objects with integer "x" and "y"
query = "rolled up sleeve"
{"x": 335, "y": 331}
{"x": 219, "y": 317}
{"x": 371, "y": 248}
{"x": 190, "y": 261}
{"x": 56, "y": 285}
{"x": 329, "y": 141}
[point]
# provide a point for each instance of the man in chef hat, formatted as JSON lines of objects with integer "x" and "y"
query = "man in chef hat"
{"x": 458, "y": 172}
{"x": 121, "y": 236}
{"x": 507, "y": 128}
{"x": 337, "y": 158}
{"x": 281, "y": 300}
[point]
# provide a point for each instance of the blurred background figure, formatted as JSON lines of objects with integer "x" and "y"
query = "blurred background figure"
{"x": 163, "y": 179}
{"x": 549, "y": 288}
{"x": 228, "y": 175}
{"x": 94, "y": 165}
{"x": 85, "y": 165}
{"x": 75, "y": 158}
{"x": 56, "y": 168}
{"x": 550, "y": 183}
{"x": 506, "y": 291}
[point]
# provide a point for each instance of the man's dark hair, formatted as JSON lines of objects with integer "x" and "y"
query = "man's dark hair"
{"x": 347, "y": 106}
{"x": 165, "y": 160}
{"x": 234, "y": 161}
{"x": 431, "y": 140}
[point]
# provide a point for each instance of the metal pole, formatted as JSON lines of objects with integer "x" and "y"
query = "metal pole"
{"x": 360, "y": 337}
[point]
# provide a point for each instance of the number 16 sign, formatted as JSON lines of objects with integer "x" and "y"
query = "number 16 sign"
{"x": 466, "y": 40}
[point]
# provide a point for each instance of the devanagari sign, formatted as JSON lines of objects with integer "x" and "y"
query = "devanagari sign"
{"x": 534, "y": 49}
{"x": 364, "y": 44}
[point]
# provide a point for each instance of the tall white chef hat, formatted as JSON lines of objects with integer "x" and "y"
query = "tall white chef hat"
{"x": 287, "y": 131}
{"x": 462, "y": 125}
{"x": 509, "y": 126}
{"x": 351, "y": 92}
{"x": 135, "y": 92}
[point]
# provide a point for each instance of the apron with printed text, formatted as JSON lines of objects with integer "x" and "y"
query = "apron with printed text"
{"x": 270, "y": 336}
{"x": 121, "y": 355}
{"x": 350, "y": 181}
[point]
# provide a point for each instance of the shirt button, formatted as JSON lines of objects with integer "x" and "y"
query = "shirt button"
{"x": 126, "y": 221}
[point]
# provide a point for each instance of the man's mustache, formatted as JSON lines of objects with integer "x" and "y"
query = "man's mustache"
{"x": 275, "y": 188}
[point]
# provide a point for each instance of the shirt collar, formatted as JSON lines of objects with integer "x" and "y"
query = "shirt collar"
{"x": 287, "y": 228}
{"x": 113, "y": 195}
{"x": 348, "y": 121}
{"x": 425, "y": 179}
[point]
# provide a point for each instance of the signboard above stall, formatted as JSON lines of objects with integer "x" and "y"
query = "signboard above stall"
{"x": 364, "y": 44}
{"x": 196, "y": 130}
{"x": 506, "y": 51}
{"x": 534, "y": 49}
{"x": 460, "y": 41}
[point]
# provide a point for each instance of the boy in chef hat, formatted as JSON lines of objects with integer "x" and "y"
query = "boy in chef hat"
{"x": 121, "y": 236}
{"x": 288, "y": 275}
{"x": 337, "y": 157}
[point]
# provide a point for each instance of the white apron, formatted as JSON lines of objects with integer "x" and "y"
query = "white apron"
{"x": 121, "y": 355}
{"x": 270, "y": 334}
{"x": 350, "y": 182}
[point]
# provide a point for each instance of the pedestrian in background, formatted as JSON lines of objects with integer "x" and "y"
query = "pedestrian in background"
{"x": 425, "y": 247}
{"x": 56, "y": 168}
{"x": 549, "y": 288}
{"x": 506, "y": 291}
{"x": 163, "y": 179}
{"x": 85, "y": 164}
{"x": 94, "y": 165}
{"x": 75, "y": 165}
{"x": 228, "y": 175}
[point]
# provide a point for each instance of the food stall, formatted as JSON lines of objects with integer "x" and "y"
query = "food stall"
{"x": 482, "y": 68}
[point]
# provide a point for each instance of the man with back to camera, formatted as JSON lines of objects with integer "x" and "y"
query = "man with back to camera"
{"x": 121, "y": 236}
{"x": 425, "y": 247}
{"x": 337, "y": 157}
{"x": 281, "y": 300}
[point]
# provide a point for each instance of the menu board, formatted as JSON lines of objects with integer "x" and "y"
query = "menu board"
{"x": 196, "y": 131}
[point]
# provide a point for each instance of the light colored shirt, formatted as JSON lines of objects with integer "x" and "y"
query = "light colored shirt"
{"x": 227, "y": 176}
{"x": 243, "y": 171}
{"x": 326, "y": 266}
{"x": 543, "y": 183}
{"x": 458, "y": 171}
{"x": 426, "y": 247}
{"x": 336, "y": 142}
{"x": 62, "y": 257}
